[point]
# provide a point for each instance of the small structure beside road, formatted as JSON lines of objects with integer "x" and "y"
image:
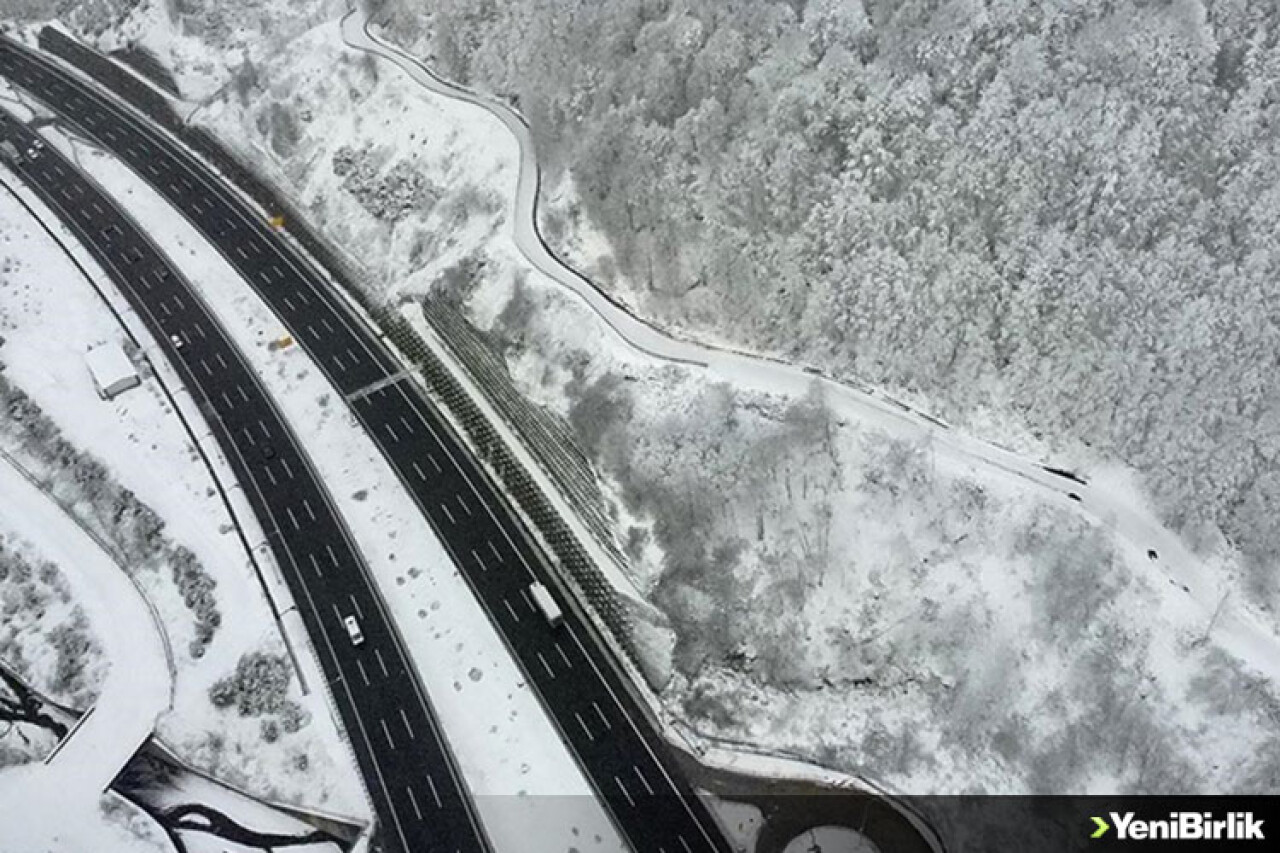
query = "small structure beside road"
{"x": 112, "y": 372}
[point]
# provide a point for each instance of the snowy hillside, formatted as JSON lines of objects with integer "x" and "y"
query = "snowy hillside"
{"x": 848, "y": 595}
{"x": 1056, "y": 216}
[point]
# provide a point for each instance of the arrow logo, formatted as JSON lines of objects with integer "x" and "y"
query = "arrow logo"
{"x": 1102, "y": 825}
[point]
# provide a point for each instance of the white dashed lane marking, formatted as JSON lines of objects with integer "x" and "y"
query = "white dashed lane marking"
{"x": 386, "y": 731}
{"x": 405, "y": 719}
{"x": 583, "y": 723}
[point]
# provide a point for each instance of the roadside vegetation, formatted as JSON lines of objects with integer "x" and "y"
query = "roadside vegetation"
{"x": 259, "y": 688}
{"x": 131, "y": 531}
{"x": 44, "y": 636}
{"x": 46, "y": 641}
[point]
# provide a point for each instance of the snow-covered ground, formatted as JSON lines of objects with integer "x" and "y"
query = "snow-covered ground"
{"x": 38, "y": 801}
{"x": 973, "y": 490}
{"x": 1123, "y": 509}
{"x": 860, "y": 587}
{"x": 902, "y": 616}
{"x": 830, "y": 839}
{"x": 50, "y": 315}
{"x": 530, "y": 793}
{"x": 183, "y": 788}
{"x": 110, "y": 825}
{"x": 46, "y": 641}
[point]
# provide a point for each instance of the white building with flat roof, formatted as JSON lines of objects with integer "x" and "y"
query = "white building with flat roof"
{"x": 111, "y": 369}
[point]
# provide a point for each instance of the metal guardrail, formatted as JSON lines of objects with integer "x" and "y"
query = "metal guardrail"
{"x": 546, "y": 435}
{"x": 156, "y": 107}
{"x": 569, "y": 554}
{"x": 53, "y": 753}
{"x": 185, "y": 420}
{"x": 147, "y": 66}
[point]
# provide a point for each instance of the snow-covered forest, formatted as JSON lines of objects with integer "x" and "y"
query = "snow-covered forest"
{"x": 45, "y": 637}
{"x": 1064, "y": 212}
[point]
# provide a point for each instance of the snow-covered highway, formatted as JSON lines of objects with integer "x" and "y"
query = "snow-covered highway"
{"x": 278, "y": 479}
{"x": 652, "y": 803}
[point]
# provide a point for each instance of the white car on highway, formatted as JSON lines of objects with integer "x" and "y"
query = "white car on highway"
{"x": 353, "y": 630}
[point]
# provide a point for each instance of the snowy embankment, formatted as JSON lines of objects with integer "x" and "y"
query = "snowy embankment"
{"x": 48, "y": 292}
{"x": 38, "y": 802}
{"x": 530, "y": 794}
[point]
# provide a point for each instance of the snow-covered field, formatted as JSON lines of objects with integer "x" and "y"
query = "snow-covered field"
{"x": 843, "y": 594}
{"x": 50, "y": 315}
{"x": 113, "y": 826}
{"x": 530, "y": 793}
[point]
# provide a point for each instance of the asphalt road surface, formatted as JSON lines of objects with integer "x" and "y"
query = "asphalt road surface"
{"x": 420, "y": 799}
{"x": 627, "y": 762}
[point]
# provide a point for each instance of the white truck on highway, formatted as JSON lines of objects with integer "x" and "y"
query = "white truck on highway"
{"x": 545, "y": 603}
